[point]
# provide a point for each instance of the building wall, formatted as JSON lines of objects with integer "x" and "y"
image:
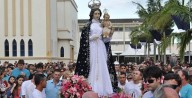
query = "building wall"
{"x": 41, "y": 21}
{"x": 121, "y": 37}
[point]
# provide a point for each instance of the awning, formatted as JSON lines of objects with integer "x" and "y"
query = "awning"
{"x": 140, "y": 52}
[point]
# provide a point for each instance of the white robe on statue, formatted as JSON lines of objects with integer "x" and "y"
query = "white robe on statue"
{"x": 99, "y": 75}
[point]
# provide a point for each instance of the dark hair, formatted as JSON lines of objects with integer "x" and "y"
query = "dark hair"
{"x": 123, "y": 73}
{"x": 170, "y": 76}
{"x": 39, "y": 78}
{"x": 17, "y": 85}
{"x": 2, "y": 70}
{"x": 21, "y": 61}
{"x": 29, "y": 65}
{"x": 10, "y": 78}
{"x": 92, "y": 12}
{"x": 122, "y": 65}
{"x": 152, "y": 71}
{"x": 57, "y": 70}
{"x": 10, "y": 66}
{"x": 39, "y": 65}
{"x": 185, "y": 73}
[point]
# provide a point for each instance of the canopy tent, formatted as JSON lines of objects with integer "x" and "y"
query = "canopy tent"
{"x": 140, "y": 52}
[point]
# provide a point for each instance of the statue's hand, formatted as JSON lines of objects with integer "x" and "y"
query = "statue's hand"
{"x": 94, "y": 37}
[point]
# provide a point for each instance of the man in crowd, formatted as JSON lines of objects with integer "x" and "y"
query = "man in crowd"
{"x": 40, "y": 82}
{"x": 164, "y": 91}
{"x": 39, "y": 67}
{"x": 173, "y": 80}
{"x": 28, "y": 86}
{"x": 122, "y": 80}
{"x": 186, "y": 89}
{"x": 152, "y": 75}
{"x": 134, "y": 87}
{"x": 123, "y": 68}
{"x": 20, "y": 70}
{"x": 53, "y": 86}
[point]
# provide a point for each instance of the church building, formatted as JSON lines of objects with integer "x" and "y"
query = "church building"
{"x": 38, "y": 30}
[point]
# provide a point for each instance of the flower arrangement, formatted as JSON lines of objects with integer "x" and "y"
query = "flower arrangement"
{"x": 74, "y": 87}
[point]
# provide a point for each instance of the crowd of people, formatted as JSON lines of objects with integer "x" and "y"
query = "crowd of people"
{"x": 22, "y": 80}
{"x": 145, "y": 80}
{"x": 155, "y": 80}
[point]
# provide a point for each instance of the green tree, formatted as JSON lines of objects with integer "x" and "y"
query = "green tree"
{"x": 163, "y": 20}
{"x": 142, "y": 32}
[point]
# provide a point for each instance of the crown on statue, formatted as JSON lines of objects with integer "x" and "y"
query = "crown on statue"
{"x": 105, "y": 11}
{"x": 93, "y": 4}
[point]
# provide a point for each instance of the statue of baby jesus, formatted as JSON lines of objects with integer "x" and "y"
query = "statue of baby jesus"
{"x": 107, "y": 25}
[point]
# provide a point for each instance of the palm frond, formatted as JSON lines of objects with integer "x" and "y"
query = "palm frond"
{"x": 185, "y": 40}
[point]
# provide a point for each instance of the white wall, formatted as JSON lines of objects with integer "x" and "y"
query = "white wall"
{"x": 63, "y": 15}
{"x": 54, "y": 27}
{"x": 39, "y": 27}
{"x": 2, "y": 30}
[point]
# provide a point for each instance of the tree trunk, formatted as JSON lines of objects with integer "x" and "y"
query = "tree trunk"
{"x": 183, "y": 2}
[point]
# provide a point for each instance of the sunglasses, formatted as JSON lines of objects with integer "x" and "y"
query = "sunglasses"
{"x": 173, "y": 86}
{"x": 149, "y": 81}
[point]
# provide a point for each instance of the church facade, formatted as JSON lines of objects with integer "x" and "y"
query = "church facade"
{"x": 38, "y": 30}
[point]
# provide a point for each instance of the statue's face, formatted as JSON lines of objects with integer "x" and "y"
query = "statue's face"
{"x": 106, "y": 17}
{"x": 96, "y": 15}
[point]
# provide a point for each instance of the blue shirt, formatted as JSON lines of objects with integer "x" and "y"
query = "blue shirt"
{"x": 16, "y": 72}
{"x": 52, "y": 89}
{"x": 6, "y": 78}
{"x": 186, "y": 91}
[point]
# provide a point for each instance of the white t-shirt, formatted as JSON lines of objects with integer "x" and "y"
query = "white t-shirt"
{"x": 122, "y": 86}
{"x": 133, "y": 89}
{"x": 27, "y": 88}
{"x": 37, "y": 94}
{"x": 148, "y": 94}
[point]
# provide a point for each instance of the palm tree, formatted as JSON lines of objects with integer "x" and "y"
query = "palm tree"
{"x": 143, "y": 32}
{"x": 164, "y": 17}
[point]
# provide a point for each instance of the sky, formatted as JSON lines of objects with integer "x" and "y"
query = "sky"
{"x": 118, "y": 9}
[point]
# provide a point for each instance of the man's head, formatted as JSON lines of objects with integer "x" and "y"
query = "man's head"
{"x": 183, "y": 75}
{"x": 152, "y": 76}
{"x": 39, "y": 67}
{"x": 31, "y": 67}
{"x": 123, "y": 68}
{"x": 173, "y": 80}
{"x": 164, "y": 91}
{"x": 56, "y": 74}
{"x": 137, "y": 75}
{"x": 129, "y": 77}
{"x": 40, "y": 80}
{"x": 122, "y": 78}
{"x": 20, "y": 64}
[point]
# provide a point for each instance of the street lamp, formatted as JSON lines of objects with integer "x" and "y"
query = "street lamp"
{"x": 118, "y": 54}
